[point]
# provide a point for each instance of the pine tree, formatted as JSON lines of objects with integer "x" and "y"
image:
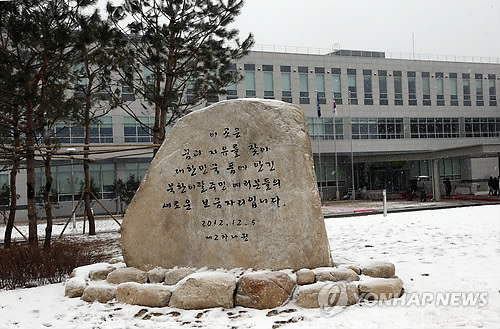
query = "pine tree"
{"x": 178, "y": 53}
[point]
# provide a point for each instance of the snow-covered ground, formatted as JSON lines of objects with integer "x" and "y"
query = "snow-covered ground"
{"x": 447, "y": 252}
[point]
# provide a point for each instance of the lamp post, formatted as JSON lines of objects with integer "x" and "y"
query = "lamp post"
{"x": 353, "y": 193}
{"x": 71, "y": 150}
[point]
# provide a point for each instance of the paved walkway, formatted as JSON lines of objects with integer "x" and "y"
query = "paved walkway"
{"x": 366, "y": 207}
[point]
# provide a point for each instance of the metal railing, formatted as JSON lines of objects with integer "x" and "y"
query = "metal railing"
{"x": 390, "y": 55}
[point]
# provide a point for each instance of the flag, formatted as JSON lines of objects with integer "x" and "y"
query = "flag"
{"x": 317, "y": 105}
{"x": 334, "y": 108}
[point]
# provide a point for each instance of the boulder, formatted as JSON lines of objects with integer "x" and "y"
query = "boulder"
{"x": 74, "y": 287}
{"x": 99, "y": 293}
{"x": 175, "y": 275}
{"x": 101, "y": 274}
{"x": 127, "y": 274}
{"x": 143, "y": 294}
{"x": 264, "y": 290}
{"x": 379, "y": 269}
{"x": 322, "y": 294}
{"x": 204, "y": 290}
{"x": 157, "y": 275}
{"x": 381, "y": 289}
{"x": 355, "y": 268}
{"x": 335, "y": 274}
{"x": 232, "y": 186}
{"x": 305, "y": 276}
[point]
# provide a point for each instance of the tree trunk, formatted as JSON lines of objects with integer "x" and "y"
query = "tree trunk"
{"x": 86, "y": 169}
{"x": 30, "y": 176}
{"x": 13, "y": 202}
{"x": 46, "y": 198}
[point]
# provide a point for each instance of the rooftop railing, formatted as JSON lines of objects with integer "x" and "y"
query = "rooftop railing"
{"x": 375, "y": 54}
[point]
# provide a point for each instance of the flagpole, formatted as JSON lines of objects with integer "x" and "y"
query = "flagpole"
{"x": 319, "y": 150}
{"x": 353, "y": 194}
{"x": 337, "y": 193}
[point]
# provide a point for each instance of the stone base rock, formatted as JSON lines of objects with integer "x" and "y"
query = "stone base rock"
{"x": 97, "y": 293}
{"x": 381, "y": 289}
{"x": 336, "y": 274}
{"x": 305, "y": 276}
{"x": 264, "y": 290}
{"x": 74, "y": 287}
{"x": 127, "y": 274}
{"x": 172, "y": 277}
{"x": 157, "y": 275}
{"x": 379, "y": 270}
{"x": 101, "y": 274}
{"x": 143, "y": 294}
{"x": 204, "y": 290}
{"x": 325, "y": 294}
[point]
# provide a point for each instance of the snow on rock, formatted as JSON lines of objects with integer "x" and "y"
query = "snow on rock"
{"x": 379, "y": 269}
{"x": 127, "y": 274}
{"x": 75, "y": 286}
{"x": 152, "y": 295}
{"x": 101, "y": 293}
{"x": 381, "y": 289}
{"x": 335, "y": 274}
{"x": 204, "y": 290}
{"x": 173, "y": 276}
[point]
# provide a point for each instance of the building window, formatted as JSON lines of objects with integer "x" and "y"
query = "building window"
{"x": 440, "y": 89}
{"x": 101, "y": 132}
{"x": 68, "y": 181}
{"x": 250, "y": 80}
{"x": 286, "y": 84}
{"x": 4, "y": 188}
{"x": 434, "y": 128}
{"x": 268, "y": 81}
{"x": 466, "y": 83}
{"x": 377, "y": 128}
{"x": 320, "y": 84}
{"x": 303, "y": 85}
{"x": 412, "y": 88}
{"x": 382, "y": 85}
{"x": 479, "y": 90}
{"x": 138, "y": 169}
{"x": 453, "y": 89}
{"x": 322, "y": 128}
{"x": 367, "y": 84}
{"x": 492, "y": 89}
{"x": 449, "y": 168}
{"x": 135, "y": 132}
{"x": 232, "y": 88}
{"x": 398, "y": 88}
{"x": 426, "y": 89}
{"x": 352, "y": 87}
{"x": 128, "y": 93}
{"x": 482, "y": 127}
{"x": 337, "y": 85}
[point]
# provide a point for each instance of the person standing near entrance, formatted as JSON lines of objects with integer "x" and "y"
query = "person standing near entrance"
{"x": 491, "y": 188}
{"x": 447, "y": 186}
{"x": 495, "y": 185}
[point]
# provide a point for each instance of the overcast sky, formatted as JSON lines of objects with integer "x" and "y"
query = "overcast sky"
{"x": 442, "y": 27}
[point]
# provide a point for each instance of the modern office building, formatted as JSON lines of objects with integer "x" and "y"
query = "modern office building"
{"x": 395, "y": 119}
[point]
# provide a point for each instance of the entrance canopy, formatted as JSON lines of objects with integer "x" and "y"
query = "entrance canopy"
{"x": 471, "y": 151}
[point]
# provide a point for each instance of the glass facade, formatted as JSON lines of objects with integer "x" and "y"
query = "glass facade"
{"x": 102, "y": 132}
{"x": 377, "y": 128}
{"x": 322, "y": 128}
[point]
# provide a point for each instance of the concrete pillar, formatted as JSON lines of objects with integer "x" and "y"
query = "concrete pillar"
{"x": 435, "y": 180}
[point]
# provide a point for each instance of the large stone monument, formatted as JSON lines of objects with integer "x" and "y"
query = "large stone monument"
{"x": 233, "y": 185}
